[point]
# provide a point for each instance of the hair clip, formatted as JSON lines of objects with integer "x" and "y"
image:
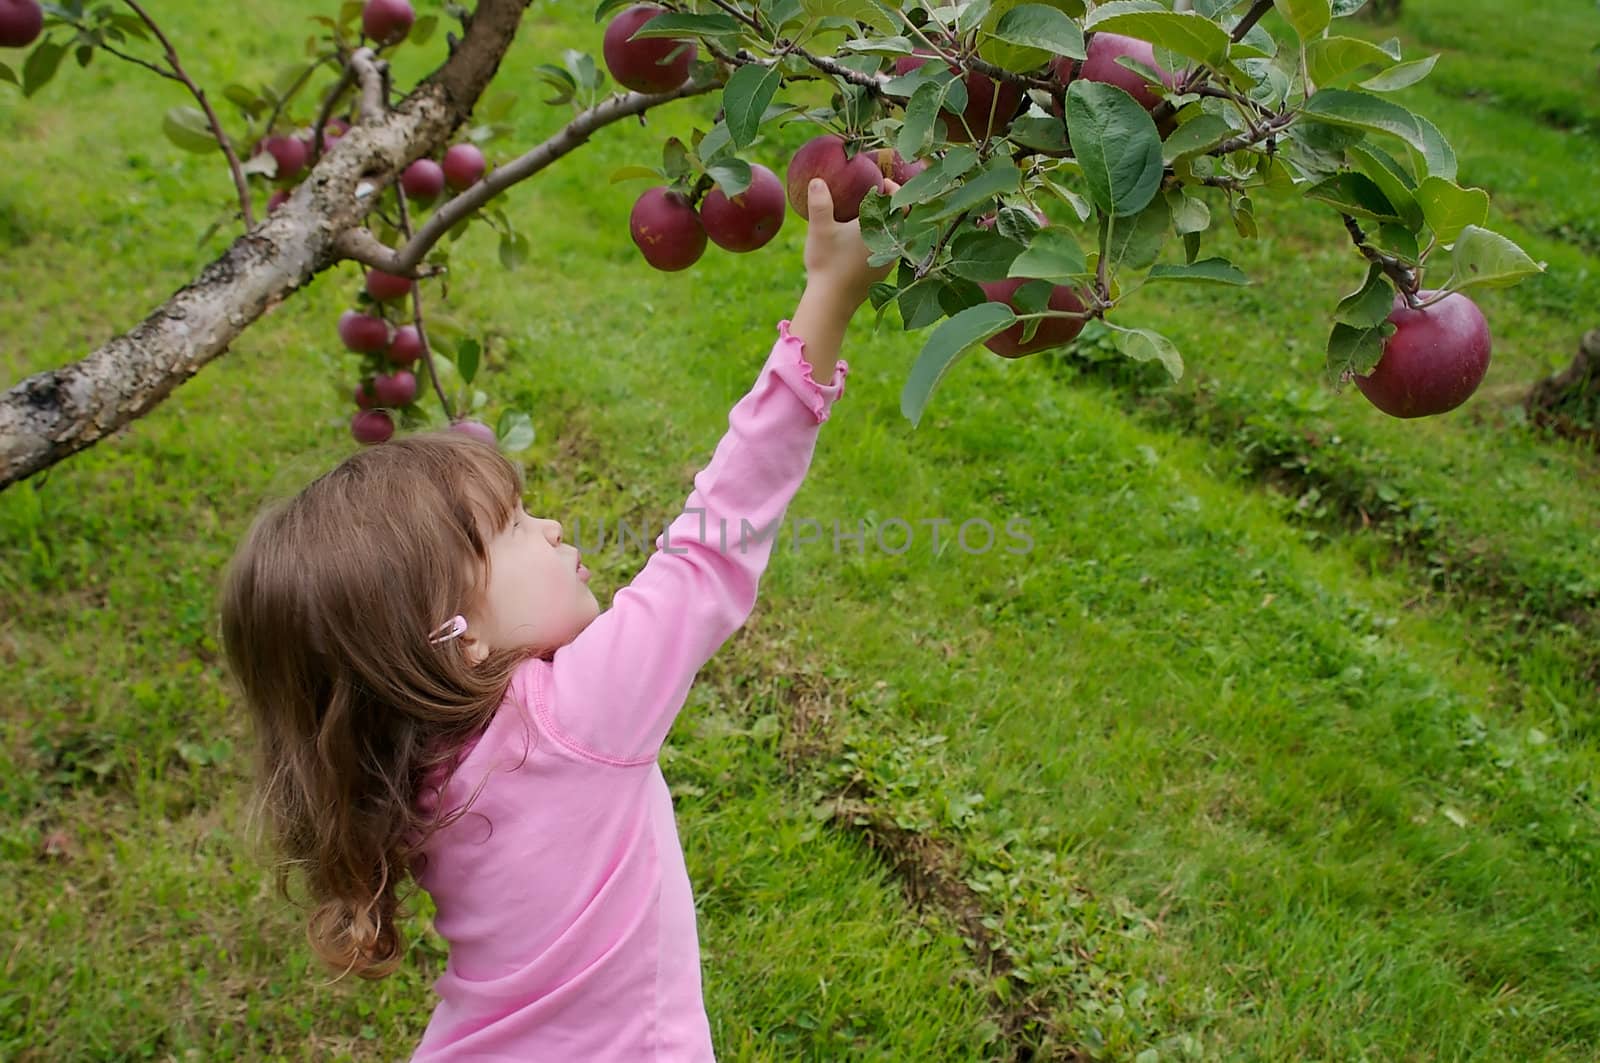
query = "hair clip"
{"x": 453, "y": 628}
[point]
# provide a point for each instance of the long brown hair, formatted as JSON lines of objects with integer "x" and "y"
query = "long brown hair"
{"x": 327, "y": 610}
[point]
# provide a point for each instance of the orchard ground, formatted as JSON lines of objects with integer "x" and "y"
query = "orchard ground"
{"x": 1280, "y": 744}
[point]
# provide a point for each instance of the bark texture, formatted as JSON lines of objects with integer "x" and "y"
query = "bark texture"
{"x": 59, "y": 412}
{"x": 1568, "y": 403}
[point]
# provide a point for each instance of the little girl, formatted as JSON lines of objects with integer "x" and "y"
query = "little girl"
{"x": 436, "y": 692}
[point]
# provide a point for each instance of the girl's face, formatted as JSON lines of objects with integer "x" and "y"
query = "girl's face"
{"x": 538, "y": 592}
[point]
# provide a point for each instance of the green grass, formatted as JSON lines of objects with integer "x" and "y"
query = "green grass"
{"x": 1224, "y": 775}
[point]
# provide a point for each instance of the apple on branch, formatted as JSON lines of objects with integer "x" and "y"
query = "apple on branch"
{"x": 666, "y": 229}
{"x": 653, "y": 64}
{"x": 1433, "y": 362}
{"x": 21, "y": 21}
{"x": 749, "y": 220}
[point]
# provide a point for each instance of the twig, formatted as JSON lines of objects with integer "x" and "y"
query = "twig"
{"x": 359, "y": 245}
{"x": 1263, "y": 132}
{"x": 180, "y": 74}
{"x": 299, "y": 83}
{"x": 1251, "y": 17}
{"x": 346, "y": 79}
{"x": 1403, "y": 276}
{"x": 1195, "y": 78}
{"x": 571, "y": 136}
{"x": 141, "y": 62}
{"x": 416, "y": 313}
{"x": 369, "y": 71}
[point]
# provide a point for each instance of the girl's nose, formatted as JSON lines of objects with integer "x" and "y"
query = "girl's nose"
{"x": 555, "y": 527}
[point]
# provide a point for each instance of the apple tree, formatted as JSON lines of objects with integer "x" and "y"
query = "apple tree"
{"x": 1054, "y": 161}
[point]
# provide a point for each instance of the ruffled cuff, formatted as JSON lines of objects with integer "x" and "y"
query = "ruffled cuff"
{"x": 789, "y": 362}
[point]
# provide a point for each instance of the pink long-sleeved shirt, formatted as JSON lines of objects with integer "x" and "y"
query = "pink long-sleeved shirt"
{"x": 562, "y": 892}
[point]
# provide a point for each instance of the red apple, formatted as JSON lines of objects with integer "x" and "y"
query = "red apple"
{"x": 278, "y": 198}
{"x": 642, "y": 65}
{"x": 406, "y": 347}
{"x": 849, "y": 180}
{"x": 366, "y": 396}
{"x": 291, "y": 153}
{"x": 387, "y": 21}
{"x": 463, "y": 166}
{"x": 371, "y": 426}
{"x": 667, "y": 230}
{"x": 363, "y": 333}
{"x": 1052, "y": 332}
{"x": 748, "y": 220}
{"x": 396, "y": 388}
{"x": 332, "y": 132}
{"x": 1434, "y": 361}
{"x": 983, "y": 93}
{"x": 20, "y": 23}
{"x": 423, "y": 180}
{"x": 386, "y": 286}
{"x": 1101, "y": 65}
{"x": 903, "y": 171}
{"x": 475, "y": 430}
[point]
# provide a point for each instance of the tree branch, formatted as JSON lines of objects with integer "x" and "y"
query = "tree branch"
{"x": 61, "y": 411}
{"x": 1251, "y": 17}
{"x": 1403, "y": 276}
{"x": 369, "y": 71}
{"x": 573, "y": 135}
{"x": 239, "y": 181}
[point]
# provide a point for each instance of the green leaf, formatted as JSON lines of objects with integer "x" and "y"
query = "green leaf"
{"x": 1449, "y": 208}
{"x": 467, "y": 352}
{"x": 1370, "y": 305}
{"x": 1485, "y": 259}
{"x": 1117, "y": 145}
{"x": 982, "y": 256}
{"x": 1354, "y": 193}
{"x": 7, "y": 74}
{"x": 1210, "y": 270}
{"x": 188, "y": 129}
{"x": 1143, "y": 345}
{"x": 1191, "y": 35}
{"x": 732, "y": 175}
{"x": 1391, "y": 179}
{"x": 675, "y": 158}
{"x": 948, "y": 343}
{"x": 1354, "y": 351}
{"x": 1334, "y": 61}
{"x": 1136, "y": 242}
{"x": 745, "y": 100}
{"x": 1438, "y": 158}
{"x": 1357, "y": 110}
{"x": 1000, "y": 175}
{"x": 937, "y": 179}
{"x": 678, "y": 24}
{"x": 422, "y": 32}
{"x": 921, "y": 111}
{"x": 41, "y": 65}
{"x": 1053, "y": 255}
{"x": 515, "y": 431}
{"x": 1038, "y": 26}
{"x": 1307, "y": 17}
{"x": 633, "y": 173}
{"x": 513, "y": 250}
{"x": 864, "y": 11}
{"x": 1400, "y": 77}
{"x": 1189, "y": 213}
{"x": 1194, "y": 136}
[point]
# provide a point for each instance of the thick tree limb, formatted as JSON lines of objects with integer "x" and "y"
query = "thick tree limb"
{"x": 369, "y": 73}
{"x": 61, "y": 411}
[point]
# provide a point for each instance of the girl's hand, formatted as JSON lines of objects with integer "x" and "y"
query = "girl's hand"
{"x": 836, "y": 256}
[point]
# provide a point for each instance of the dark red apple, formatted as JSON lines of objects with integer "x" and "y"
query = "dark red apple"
{"x": 990, "y": 105}
{"x": 639, "y": 65}
{"x": 1434, "y": 361}
{"x": 371, "y": 426}
{"x": 667, "y": 230}
{"x": 291, "y": 154}
{"x": 406, "y": 347}
{"x": 463, "y": 166}
{"x": 363, "y": 333}
{"x": 386, "y": 286}
{"x": 903, "y": 171}
{"x": 20, "y": 23}
{"x": 278, "y": 198}
{"x": 423, "y": 180}
{"x": 849, "y": 180}
{"x": 748, "y": 220}
{"x": 332, "y": 133}
{"x": 475, "y": 430}
{"x": 1101, "y": 65}
{"x": 366, "y": 396}
{"x": 387, "y": 21}
{"x": 1052, "y": 332}
{"x": 396, "y": 388}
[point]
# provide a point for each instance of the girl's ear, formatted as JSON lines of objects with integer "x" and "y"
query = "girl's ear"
{"x": 475, "y": 648}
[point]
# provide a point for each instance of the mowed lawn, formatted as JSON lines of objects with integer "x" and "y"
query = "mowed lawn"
{"x": 1277, "y": 741}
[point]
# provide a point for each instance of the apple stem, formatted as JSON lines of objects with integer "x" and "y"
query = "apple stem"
{"x": 179, "y": 74}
